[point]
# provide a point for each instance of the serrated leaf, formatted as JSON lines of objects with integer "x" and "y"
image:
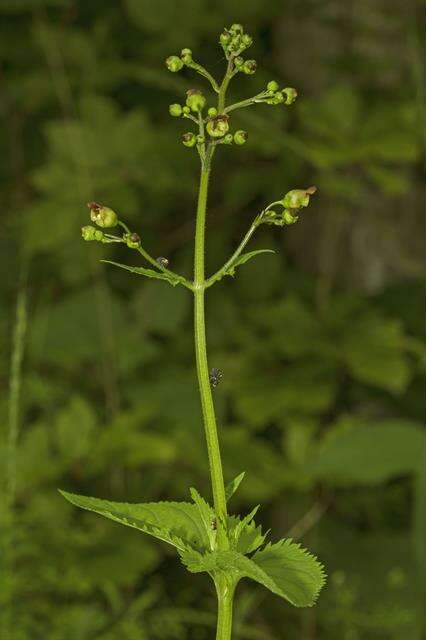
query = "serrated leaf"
{"x": 248, "y": 539}
{"x": 285, "y": 568}
{"x": 177, "y": 523}
{"x": 243, "y": 258}
{"x": 231, "y": 488}
{"x": 293, "y": 573}
{"x": 149, "y": 273}
{"x": 206, "y": 515}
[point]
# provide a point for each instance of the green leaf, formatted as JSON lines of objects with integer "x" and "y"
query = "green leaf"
{"x": 244, "y": 539}
{"x": 177, "y": 523}
{"x": 285, "y": 568}
{"x": 243, "y": 258}
{"x": 206, "y": 515}
{"x": 231, "y": 488}
{"x": 149, "y": 273}
{"x": 371, "y": 454}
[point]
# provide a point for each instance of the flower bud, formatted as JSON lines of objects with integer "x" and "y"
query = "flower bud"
{"x": 239, "y": 61}
{"x": 236, "y": 28}
{"x": 200, "y": 139}
{"x": 289, "y": 217}
{"x": 225, "y": 38}
{"x": 240, "y": 137}
{"x": 290, "y": 95}
{"x": 218, "y": 127}
{"x": 174, "y": 64}
{"x": 189, "y": 139}
{"x": 175, "y": 110}
{"x": 186, "y": 56}
{"x": 212, "y": 112}
{"x": 132, "y": 240}
{"x": 228, "y": 139}
{"x": 277, "y": 98}
{"x": 297, "y": 198}
{"x": 195, "y": 100}
{"x": 247, "y": 41}
{"x": 186, "y": 110}
{"x": 249, "y": 67}
{"x": 102, "y": 216}
{"x": 273, "y": 86}
{"x": 90, "y": 233}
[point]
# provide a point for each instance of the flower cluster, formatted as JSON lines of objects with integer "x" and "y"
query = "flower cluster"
{"x": 291, "y": 204}
{"x": 234, "y": 41}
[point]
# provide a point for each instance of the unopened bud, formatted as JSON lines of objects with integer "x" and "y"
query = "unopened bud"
{"x": 218, "y": 127}
{"x": 189, "y": 139}
{"x": 239, "y": 61}
{"x": 195, "y": 100}
{"x": 186, "y": 56}
{"x": 289, "y": 217}
{"x": 247, "y": 40}
{"x": 102, "y": 216}
{"x": 212, "y": 112}
{"x": 273, "y": 86}
{"x": 186, "y": 110}
{"x": 240, "y": 137}
{"x": 249, "y": 67}
{"x": 90, "y": 234}
{"x": 236, "y": 28}
{"x": 175, "y": 110}
{"x": 228, "y": 139}
{"x": 174, "y": 64}
{"x": 132, "y": 240}
{"x": 225, "y": 38}
{"x": 290, "y": 95}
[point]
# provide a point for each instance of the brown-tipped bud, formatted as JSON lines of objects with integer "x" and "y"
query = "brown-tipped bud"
{"x": 218, "y": 127}
{"x": 102, "y": 216}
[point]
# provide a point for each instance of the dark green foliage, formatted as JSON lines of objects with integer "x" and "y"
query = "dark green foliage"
{"x": 322, "y": 345}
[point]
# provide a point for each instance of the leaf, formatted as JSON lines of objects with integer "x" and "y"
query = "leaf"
{"x": 246, "y": 539}
{"x": 285, "y": 568}
{"x": 231, "y": 488}
{"x": 206, "y": 515}
{"x": 243, "y": 258}
{"x": 177, "y": 523}
{"x": 149, "y": 273}
{"x": 371, "y": 454}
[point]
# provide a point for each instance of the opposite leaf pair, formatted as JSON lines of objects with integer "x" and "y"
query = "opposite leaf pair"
{"x": 285, "y": 568}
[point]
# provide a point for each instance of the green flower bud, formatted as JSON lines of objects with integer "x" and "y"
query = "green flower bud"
{"x": 174, "y": 64}
{"x": 290, "y": 95}
{"x": 277, "y": 98}
{"x": 175, "y": 110}
{"x": 102, "y": 216}
{"x": 189, "y": 139}
{"x": 90, "y": 233}
{"x": 289, "y": 217}
{"x": 225, "y": 38}
{"x": 273, "y": 86}
{"x": 249, "y": 67}
{"x": 218, "y": 127}
{"x": 236, "y": 28}
{"x": 240, "y": 137}
{"x": 186, "y": 110}
{"x": 186, "y": 56}
{"x": 298, "y": 198}
{"x": 228, "y": 139}
{"x": 212, "y": 112}
{"x": 195, "y": 100}
{"x": 247, "y": 40}
{"x": 200, "y": 139}
{"x": 239, "y": 61}
{"x": 132, "y": 240}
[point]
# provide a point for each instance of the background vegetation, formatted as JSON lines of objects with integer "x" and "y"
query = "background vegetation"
{"x": 322, "y": 344}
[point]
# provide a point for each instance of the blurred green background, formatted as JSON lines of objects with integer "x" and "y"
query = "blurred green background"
{"x": 321, "y": 345}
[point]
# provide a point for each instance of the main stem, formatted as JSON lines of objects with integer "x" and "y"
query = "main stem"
{"x": 207, "y": 405}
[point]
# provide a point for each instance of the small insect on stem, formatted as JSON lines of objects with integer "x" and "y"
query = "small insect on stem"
{"x": 215, "y": 377}
{"x": 164, "y": 262}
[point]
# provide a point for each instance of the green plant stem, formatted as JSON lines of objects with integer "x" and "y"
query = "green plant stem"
{"x": 225, "y": 599}
{"x": 207, "y": 405}
{"x": 221, "y": 272}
